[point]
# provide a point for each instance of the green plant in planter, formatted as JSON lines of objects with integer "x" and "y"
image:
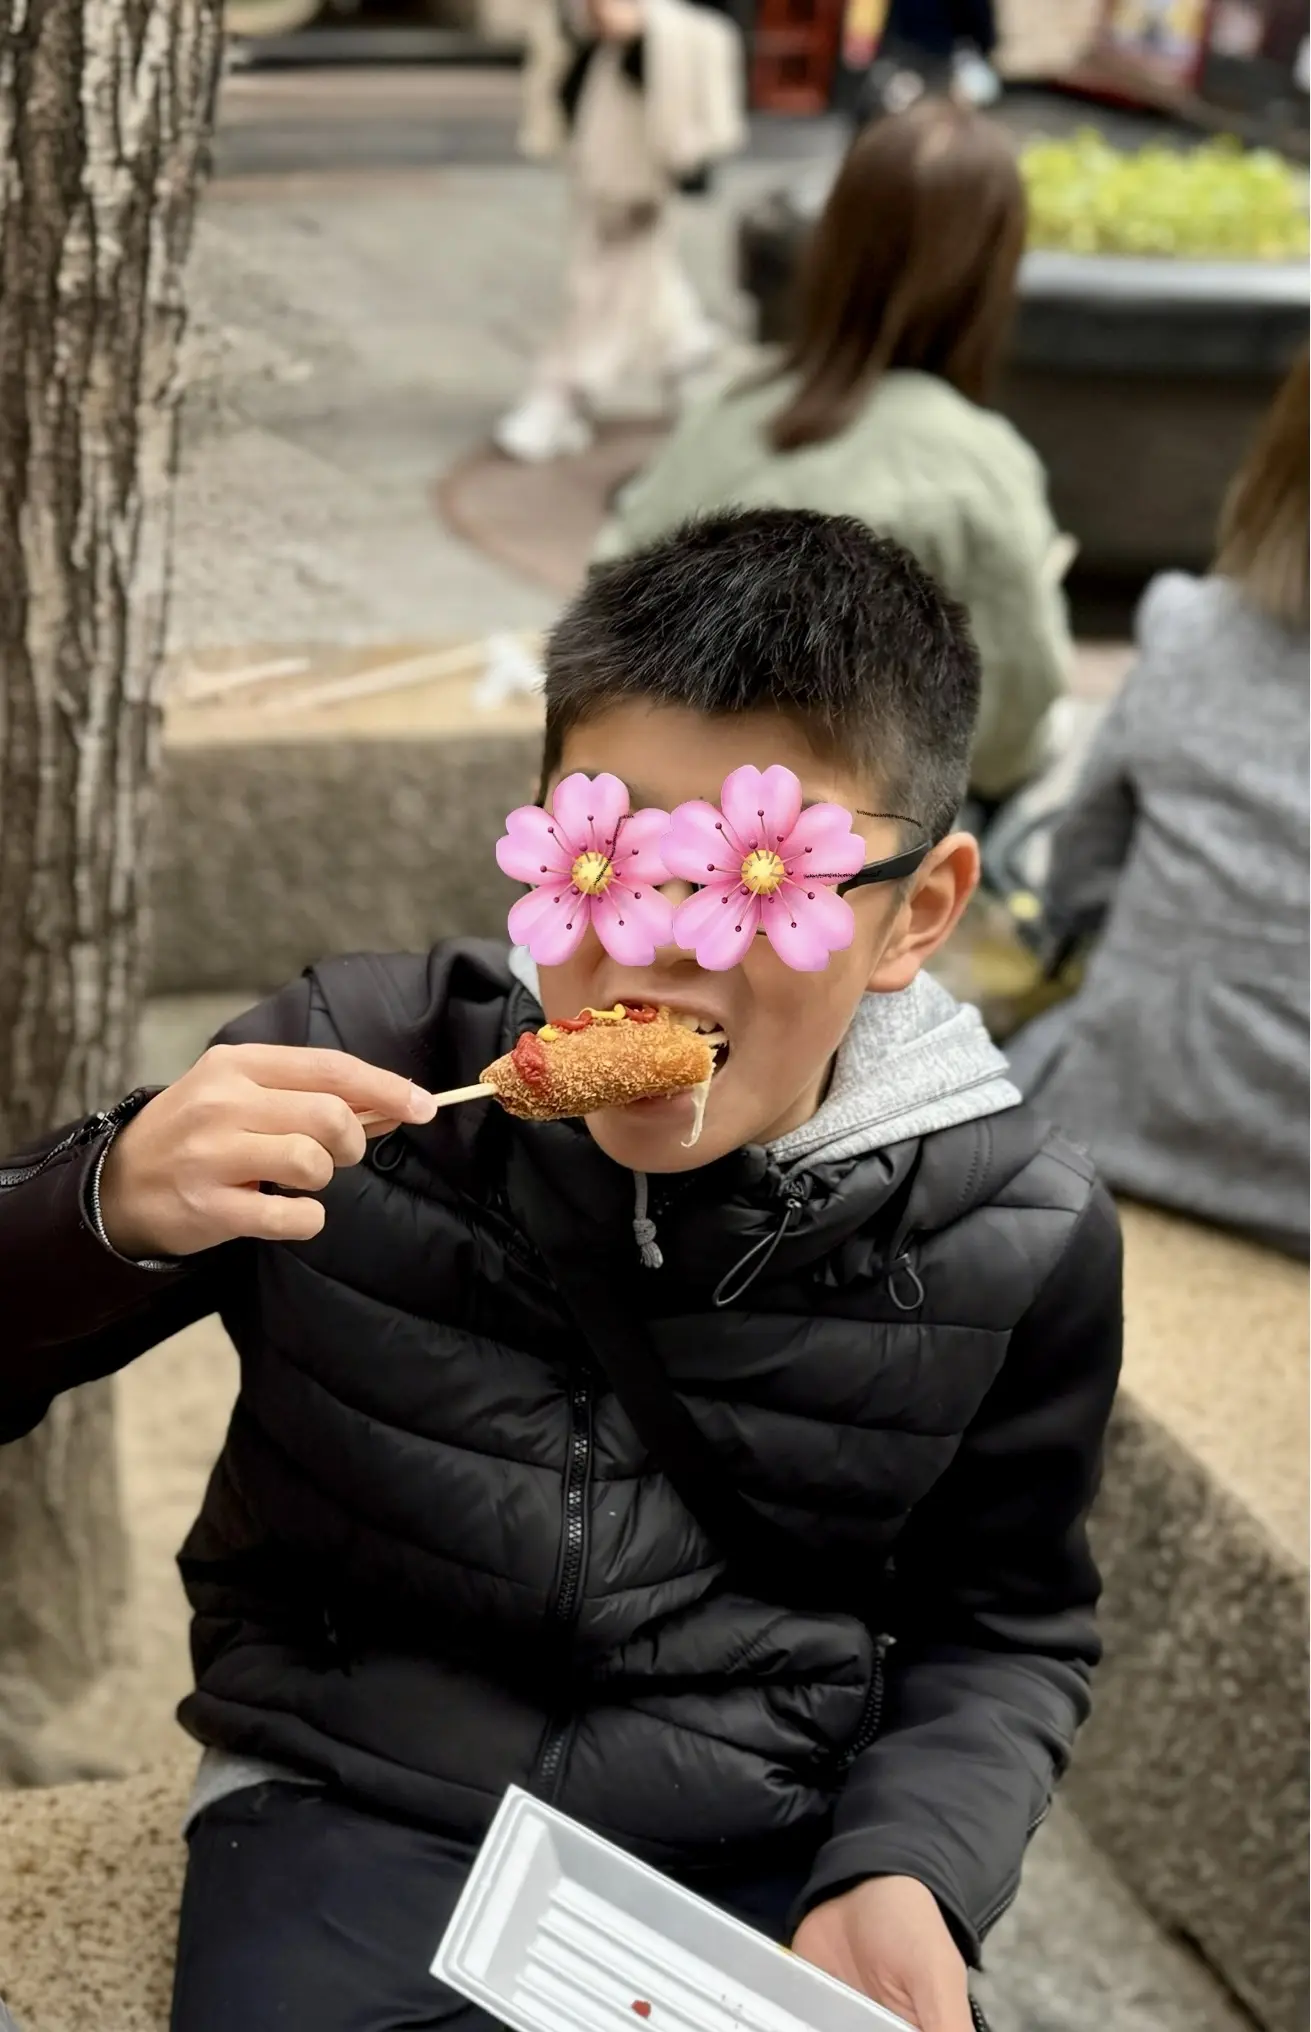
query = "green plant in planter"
{"x": 1217, "y": 202}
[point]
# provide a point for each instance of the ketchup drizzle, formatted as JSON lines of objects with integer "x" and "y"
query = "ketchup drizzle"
{"x": 530, "y": 1061}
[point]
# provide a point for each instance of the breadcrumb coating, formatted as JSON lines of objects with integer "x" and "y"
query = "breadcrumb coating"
{"x": 611, "y": 1059}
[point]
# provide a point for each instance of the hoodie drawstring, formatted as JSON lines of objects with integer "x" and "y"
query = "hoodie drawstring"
{"x": 735, "y": 1282}
{"x": 644, "y": 1228}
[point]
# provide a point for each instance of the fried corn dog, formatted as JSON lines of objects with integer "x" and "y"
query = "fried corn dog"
{"x": 603, "y": 1058}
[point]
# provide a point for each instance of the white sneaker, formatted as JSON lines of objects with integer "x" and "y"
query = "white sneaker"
{"x": 547, "y": 425}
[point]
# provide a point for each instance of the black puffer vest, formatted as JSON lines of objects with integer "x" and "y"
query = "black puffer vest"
{"x": 434, "y": 1560}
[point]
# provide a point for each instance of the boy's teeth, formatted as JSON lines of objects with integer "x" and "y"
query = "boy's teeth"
{"x": 704, "y": 1026}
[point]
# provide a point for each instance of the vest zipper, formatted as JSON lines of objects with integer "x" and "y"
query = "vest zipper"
{"x": 871, "y": 1719}
{"x": 578, "y": 1473}
{"x": 563, "y": 1611}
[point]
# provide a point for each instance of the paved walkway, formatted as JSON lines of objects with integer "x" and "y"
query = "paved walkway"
{"x": 355, "y": 336}
{"x": 371, "y": 278}
{"x": 373, "y": 271}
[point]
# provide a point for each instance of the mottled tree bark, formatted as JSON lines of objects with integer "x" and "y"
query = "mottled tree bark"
{"x": 105, "y": 109}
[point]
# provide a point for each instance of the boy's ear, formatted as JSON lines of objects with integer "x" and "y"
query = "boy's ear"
{"x": 930, "y": 913}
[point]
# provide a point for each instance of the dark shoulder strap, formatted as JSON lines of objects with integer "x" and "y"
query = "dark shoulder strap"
{"x": 761, "y": 1556}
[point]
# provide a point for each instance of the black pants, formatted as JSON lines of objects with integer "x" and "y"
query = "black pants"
{"x": 302, "y": 1914}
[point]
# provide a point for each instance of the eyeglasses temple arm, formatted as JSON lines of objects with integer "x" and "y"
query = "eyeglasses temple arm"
{"x": 894, "y": 870}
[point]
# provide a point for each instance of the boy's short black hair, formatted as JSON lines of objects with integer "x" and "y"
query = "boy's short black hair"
{"x": 811, "y": 615}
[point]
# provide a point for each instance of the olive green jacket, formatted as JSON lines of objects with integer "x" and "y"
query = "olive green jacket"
{"x": 953, "y": 482}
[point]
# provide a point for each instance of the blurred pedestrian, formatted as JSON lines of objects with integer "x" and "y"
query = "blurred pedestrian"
{"x": 643, "y": 95}
{"x": 1182, "y": 1061}
{"x": 877, "y": 410}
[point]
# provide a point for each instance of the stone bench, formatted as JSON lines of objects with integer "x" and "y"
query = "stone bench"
{"x": 90, "y": 1878}
{"x": 1191, "y": 1775}
{"x": 1192, "y": 1772}
{"x": 351, "y": 805}
{"x": 355, "y": 804}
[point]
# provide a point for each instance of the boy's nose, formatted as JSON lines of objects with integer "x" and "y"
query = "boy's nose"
{"x": 670, "y": 953}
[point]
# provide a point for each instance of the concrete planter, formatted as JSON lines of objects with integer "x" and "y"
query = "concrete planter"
{"x": 1138, "y": 382}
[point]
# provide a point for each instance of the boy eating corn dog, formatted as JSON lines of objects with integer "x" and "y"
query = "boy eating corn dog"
{"x": 729, "y": 1490}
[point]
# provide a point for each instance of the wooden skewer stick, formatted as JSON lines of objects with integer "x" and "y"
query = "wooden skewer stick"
{"x": 371, "y": 1119}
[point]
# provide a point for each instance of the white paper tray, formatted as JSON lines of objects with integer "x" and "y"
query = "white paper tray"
{"x": 559, "y": 1931}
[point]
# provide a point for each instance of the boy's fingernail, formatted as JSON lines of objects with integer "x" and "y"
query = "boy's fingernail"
{"x": 423, "y": 1105}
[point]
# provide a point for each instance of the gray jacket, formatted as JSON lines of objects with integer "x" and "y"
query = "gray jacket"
{"x": 1183, "y": 1064}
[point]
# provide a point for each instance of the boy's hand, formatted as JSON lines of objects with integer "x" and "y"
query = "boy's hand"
{"x": 185, "y": 1173}
{"x": 887, "y": 1939}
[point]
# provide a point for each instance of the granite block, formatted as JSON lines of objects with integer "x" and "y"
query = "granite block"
{"x": 270, "y": 855}
{"x": 1192, "y": 1773}
{"x": 90, "y": 1881}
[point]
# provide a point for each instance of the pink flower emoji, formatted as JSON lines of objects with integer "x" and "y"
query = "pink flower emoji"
{"x": 761, "y": 861}
{"x": 590, "y": 861}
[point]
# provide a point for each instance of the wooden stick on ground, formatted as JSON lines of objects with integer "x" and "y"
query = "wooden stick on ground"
{"x": 462, "y": 659}
{"x": 197, "y": 687}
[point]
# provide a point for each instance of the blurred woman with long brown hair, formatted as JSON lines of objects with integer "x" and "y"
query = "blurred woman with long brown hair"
{"x": 1182, "y": 1061}
{"x": 877, "y": 409}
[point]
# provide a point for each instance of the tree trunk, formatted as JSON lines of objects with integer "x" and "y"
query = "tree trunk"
{"x": 105, "y": 110}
